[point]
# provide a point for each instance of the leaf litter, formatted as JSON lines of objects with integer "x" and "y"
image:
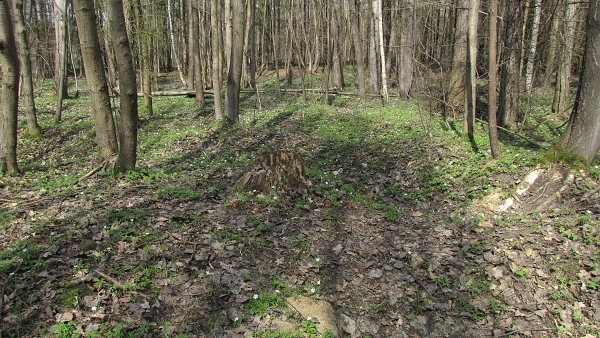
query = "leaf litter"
{"x": 183, "y": 254}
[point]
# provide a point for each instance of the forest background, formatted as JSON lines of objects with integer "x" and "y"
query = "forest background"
{"x": 418, "y": 62}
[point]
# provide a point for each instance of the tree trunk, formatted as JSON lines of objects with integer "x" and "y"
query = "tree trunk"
{"x": 195, "y": 59}
{"x": 456, "y": 88}
{"x": 173, "y": 42}
{"x": 338, "y": 64}
{"x": 563, "y": 76}
{"x": 373, "y": 70}
{"x": 582, "y": 135}
{"x": 493, "y": 80}
{"x": 145, "y": 42}
{"x": 232, "y": 98}
{"x": 217, "y": 57}
{"x": 9, "y": 65}
{"x": 127, "y": 88}
{"x": 33, "y": 127}
{"x": 378, "y": 17}
{"x": 407, "y": 49}
{"x": 252, "y": 47}
{"x": 535, "y": 28}
{"x": 508, "y": 109}
{"x": 471, "y": 74}
{"x": 94, "y": 68}
{"x": 550, "y": 62}
{"x": 358, "y": 49}
{"x": 60, "y": 67}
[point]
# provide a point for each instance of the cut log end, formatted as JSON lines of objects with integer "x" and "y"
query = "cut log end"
{"x": 277, "y": 170}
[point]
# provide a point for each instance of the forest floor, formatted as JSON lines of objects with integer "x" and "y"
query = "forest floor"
{"x": 399, "y": 231}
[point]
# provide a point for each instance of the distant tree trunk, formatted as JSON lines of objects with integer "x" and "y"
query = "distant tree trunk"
{"x": 217, "y": 53}
{"x": 456, "y": 89}
{"x": 173, "y": 42}
{"x": 275, "y": 46}
{"x": 338, "y": 62}
{"x": 471, "y": 75}
{"x": 563, "y": 76}
{"x": 582, "y": 135}
{"x": 378, "y": 17}
{"x": 535, "y": 29}
{"x": 493, "y": 79}
{"x": 33, "y": 127}
{"x": 60, "y": 67}
{"x": 358, "y": 49}
{"x": 550, "y": 61}
{"x": 145, "y": 42}
{"x": 407, "y": 48}
{"x": 127, "y": 88}
{"x": 373, "y": 69}
{"x": 195, "y": 59}
{"x": 94, "y": 68}
{"x": 252, "y": 46}
{"x": 234, "y": 76}
{"x": 227, "y": 39}
{"x": 9, "y": 65}
{"x": 508, "y": 109}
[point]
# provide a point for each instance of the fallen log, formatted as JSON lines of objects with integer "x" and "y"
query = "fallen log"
{"x": 191, "y": 94}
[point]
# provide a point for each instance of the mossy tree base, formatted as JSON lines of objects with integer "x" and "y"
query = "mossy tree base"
{"x": 277, "y": 170}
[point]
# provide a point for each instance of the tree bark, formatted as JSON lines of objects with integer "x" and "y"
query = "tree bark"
{"x": 94, "y": 68}
{"x": 378, "y": 17}
{"x": 407, "y": 48}
{"x": 373, "y": 70}
{"x": 338, "y": 64}
{"x": 456, "y": 88}
{"x": 217, "y": 68}
{"x": 493, "y": 80}
{"x": 508, "y": 109}
{"x": 232, "y": 98}
{"x": 173, "y": 42}
{"x": 145, "y": 42}
{"x": 195, "y": 59}
{"x": 33, "y": 127}
{"x": 127, "y": 88}
{"x": 9, "y": 65}
{"x": 358, "y": 49}
{"x": 471, "y": 74}
{"x": 60, "y": 67}
{"x": 560, "y": 103}
{"x": 582, "y": 135}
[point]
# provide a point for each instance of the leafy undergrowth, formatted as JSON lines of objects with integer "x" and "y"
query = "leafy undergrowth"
{"x": 384, "y": 233}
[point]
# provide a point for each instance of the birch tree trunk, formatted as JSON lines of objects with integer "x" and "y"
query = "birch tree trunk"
{"x": 106, "y": 137}
{"x": 33, "y": 128}
{"x": 373, "y": 70}
{"x": 195, "y": 58}
{"x": 407, "y": 49}
{"x": 378, "y": 17}
{"x": 9, "y": 65}
{"x": 127, "y": 88}
{"x": 535, "y": 29}
{"x": 60, "y": 67}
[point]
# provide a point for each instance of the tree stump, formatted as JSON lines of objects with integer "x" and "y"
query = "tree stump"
{"x": 277, "y": 170}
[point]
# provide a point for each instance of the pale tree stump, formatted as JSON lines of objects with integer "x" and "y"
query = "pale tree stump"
{"x": 277, "y": 170}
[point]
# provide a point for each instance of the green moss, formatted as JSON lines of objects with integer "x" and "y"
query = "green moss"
{"x": 570, "y": 160}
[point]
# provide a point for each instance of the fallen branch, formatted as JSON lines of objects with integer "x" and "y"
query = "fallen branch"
{"x": 102, "y": 166}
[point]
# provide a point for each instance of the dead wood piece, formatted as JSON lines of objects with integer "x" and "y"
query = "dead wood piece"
{"x": 277, "y": 170}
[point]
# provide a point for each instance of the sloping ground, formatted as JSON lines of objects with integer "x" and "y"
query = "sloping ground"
{"x": 385, "y": 233}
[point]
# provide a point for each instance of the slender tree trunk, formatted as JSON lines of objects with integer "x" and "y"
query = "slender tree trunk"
{"x": 456, "y": 89}
{"x": 217, "y": 68}
{"x": 378, "y": 17}
{"x": 33, "y": 127}
{"x": 550, "y": 62}
{"x": 145, "y": 42}
{"x": 252, "y": 48}
{"x": 563, "y": 76}
{"x": 358, "y": 49}
{"x": 60, "y": 15}
{"x": 582, "y": 135}
{"x": 234, "y": 76}
{"x": 373, "y": 69}
{"x": 228, "y": 29}
{"x": 9, "y": 65}
{"x": 493, "y": 80}
{"x": 471, "y": 79}
{"x": 127, "y": 88}
{"x": 173, "y": 42}
{"x": 106, "y": 137}
{"x": 195, "y": 59}
{"x": 407, "y": 49}
{"x": 338, "y": 63}
{"x": 535, "y": 29}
